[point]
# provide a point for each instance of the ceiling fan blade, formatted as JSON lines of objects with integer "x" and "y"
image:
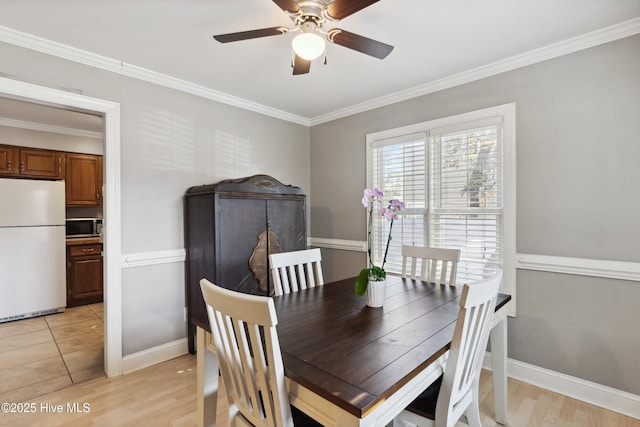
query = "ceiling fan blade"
{"x": 253, "y": 34}
{"x": 340, "y": 9}
{"x": 289, "y": 6}
{"x": 301, "y": 65}
{"x": 360, "y": 43}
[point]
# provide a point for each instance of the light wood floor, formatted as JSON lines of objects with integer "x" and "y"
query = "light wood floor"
{"x": 164, "y": 395}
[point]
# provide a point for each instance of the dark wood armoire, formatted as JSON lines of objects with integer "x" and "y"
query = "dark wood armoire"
{"x": 230, "y": 229}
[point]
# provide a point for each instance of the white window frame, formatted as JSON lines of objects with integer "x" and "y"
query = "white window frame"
{"x": 508, "y": 114}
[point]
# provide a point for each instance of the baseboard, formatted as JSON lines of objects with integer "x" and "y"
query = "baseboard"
{"x": 577, "y": 388}
{"x": 154, "y": 355}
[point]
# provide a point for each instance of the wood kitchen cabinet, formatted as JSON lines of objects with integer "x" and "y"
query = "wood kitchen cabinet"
{"x": 9, "y": 162}
{"x": 83, "y": 179}
{"x": 231, "y": 227}
{"x": 84, "y": 274}
{"x": 31, "y": 162}
{"x": 41, "y": 163}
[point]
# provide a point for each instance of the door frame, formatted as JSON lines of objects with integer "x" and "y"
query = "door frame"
{"x": 110, "y": 111}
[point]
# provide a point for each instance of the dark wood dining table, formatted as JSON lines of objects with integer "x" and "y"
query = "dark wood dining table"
{"x": 347, "y": 364}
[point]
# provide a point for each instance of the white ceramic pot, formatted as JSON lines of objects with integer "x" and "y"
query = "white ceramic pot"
{"x": 376, "y": 290}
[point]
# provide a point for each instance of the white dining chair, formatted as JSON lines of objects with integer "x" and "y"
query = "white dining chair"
{"x": 456, "y": 392}
{"x": 437, "y": 265}
{"x": 246, "y": 342}
{"x": 293, "y": 271}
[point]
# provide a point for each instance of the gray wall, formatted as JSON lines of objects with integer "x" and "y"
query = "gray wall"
{"x": 578, "y": 165}
{"x": 170, "y": 141}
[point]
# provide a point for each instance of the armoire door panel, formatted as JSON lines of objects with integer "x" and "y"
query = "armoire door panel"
{"x": 244, "y": 220}
{"x": 287, "y": 219}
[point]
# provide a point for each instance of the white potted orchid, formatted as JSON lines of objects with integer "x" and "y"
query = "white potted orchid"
{"x": 372, "y": 280}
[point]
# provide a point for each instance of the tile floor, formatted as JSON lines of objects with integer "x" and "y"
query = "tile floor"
{"x": 48, "y": 353}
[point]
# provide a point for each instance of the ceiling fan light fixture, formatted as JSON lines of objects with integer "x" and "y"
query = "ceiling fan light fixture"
{"x": 308, "y": 45}
{"x": 309, "y": 17}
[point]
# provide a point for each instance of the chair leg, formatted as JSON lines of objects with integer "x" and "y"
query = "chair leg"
{"x": 473, "y": 415}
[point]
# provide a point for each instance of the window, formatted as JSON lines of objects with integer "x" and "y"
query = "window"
{"x": 456, "y": 177}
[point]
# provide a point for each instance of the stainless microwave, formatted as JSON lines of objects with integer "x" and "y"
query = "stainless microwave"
{"x": 83, "y": 227}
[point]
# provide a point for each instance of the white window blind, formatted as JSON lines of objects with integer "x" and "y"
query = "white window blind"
{"x": 399, "y": 167}
{"x": 450, "y": 176}
{"x": 466, "y": 198}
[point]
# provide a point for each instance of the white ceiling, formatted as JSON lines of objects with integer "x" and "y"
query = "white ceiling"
{"x": 434, "y": 40}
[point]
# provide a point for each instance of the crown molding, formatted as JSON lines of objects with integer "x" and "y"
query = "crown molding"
{"x": 585, "y": 41}
{"x": 60, "y": 50}
{"x": 594, "y": 38}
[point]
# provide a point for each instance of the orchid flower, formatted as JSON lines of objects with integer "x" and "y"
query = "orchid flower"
{"x": 370, "y": 196}
{"x": 396, "y": 204}
{"x": 390, "y": 212}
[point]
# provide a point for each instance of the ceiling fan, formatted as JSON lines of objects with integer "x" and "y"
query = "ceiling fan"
{"x": 309, "y": 17}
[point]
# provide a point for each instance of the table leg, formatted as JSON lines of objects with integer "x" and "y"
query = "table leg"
{"x": 498, "y": 339}
{"x": 207, "y": 381}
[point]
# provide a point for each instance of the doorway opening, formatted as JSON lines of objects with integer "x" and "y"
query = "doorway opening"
{"x": 110, "y": 112}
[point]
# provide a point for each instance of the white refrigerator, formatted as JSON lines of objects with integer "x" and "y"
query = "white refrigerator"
{"x": 32, "y": 248}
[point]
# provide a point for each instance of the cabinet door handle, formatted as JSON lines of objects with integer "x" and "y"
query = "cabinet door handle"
{"x": 21, "y": 166}
{"x": 87, "y": 250}
{"x": 98, "y": 196}
{"x": 9, "y": 165}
